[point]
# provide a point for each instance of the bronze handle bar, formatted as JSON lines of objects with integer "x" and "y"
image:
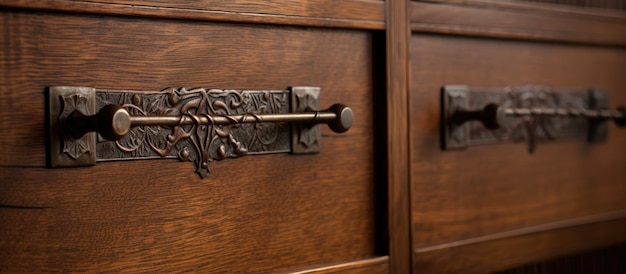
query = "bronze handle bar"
{"x": 113, "y": 121}
{"x": 571, "y": 112}
{"x": 492, "y": 116}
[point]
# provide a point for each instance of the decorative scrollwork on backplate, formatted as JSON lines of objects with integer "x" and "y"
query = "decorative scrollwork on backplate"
{"x": 200, "y": 144}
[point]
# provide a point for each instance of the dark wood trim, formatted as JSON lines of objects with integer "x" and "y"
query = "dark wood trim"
{"x": 606, "y": 217}
{"x": 535, "y": 7}
{"x": 354, "y": 14}
{"x": 604, "y": 260}
{"x": 519, "y": 23}
{"x": 505, "y": 253}
{"x": 373, "y": 265}
{"x": 398, "y": 173}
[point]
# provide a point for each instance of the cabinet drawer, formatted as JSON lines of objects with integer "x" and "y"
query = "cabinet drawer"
{"x": 499, "y": 199}
{"x": 256, "y": 213}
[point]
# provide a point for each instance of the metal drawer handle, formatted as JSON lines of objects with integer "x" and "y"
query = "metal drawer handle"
{"x": 198, "y": 125}
{"x": 113, "y": 122}
{"x": 519, "y": 113}
{"x": 494, "y": 116}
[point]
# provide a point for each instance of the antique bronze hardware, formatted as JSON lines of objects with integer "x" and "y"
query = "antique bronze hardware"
{"x": 494, "y": 116}
{"x": 198, "y": 125}
{"x": 519, "y": 113}
{"x": 113, "y": 122}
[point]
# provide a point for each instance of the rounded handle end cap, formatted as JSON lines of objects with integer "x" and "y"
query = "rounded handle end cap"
{"x": 344, "y": 119}
{"x": 113, "y": 122}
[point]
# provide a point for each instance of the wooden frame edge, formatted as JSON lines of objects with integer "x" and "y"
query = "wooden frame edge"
{"x": 397, "y": 109}
{"x": 83, "y": 7}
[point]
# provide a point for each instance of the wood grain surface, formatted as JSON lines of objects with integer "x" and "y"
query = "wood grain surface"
{"x": 138, "y": 54}
{"x": 518, "y": 21}
{"x": 491, "y": 256}
{"x": 595, "y": 7}
{"x": 380, "y": 198}
{"x": 347, "y": 9}
{"x": 360, "y": 14}
{"x": 252, "y": 214}
{"x": 604, "y": 260}
{"x": 489, "y": 189}
{"x": 397, "y": 135}
{"x": 603, "y": 4}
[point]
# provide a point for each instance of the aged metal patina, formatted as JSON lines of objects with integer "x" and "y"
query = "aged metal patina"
{"x": 523, "y": 113}
{"x": 197, "y": 125}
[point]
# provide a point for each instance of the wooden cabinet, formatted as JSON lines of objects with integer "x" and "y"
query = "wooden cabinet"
{"x": 485, "y": 197}
{"x": 499, "y": 201}
{"x": 381, "y": 198}
{"x": 261, "y": 213}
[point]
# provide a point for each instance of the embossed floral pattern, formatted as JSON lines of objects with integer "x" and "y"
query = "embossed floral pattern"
{"x": 197, "y": 143}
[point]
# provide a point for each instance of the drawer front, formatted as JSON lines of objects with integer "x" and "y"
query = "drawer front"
{"x": 489, "y": 207}
{"x": 256, "y": 213}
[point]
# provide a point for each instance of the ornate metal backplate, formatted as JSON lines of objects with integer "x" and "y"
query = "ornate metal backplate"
{"x": 520, "y": 129}
{"x": 199, "y": 144}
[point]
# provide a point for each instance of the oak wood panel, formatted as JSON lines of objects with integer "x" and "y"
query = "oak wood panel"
{"x": 253, "y": 214}
{"x": 586, "y": 220}
{"x": 133, "y": 217}
{"x": 489, "y": 189}
{"x": 523, "y": 249}
{"x": 603, "y": 4}
{"x": 322, "y": 13}
{"x": 546, "y": 6}
{"x": 605, "y": 260}
{"x": 347, "y": 9}
{"x": 125, "y": 53}
{"x": 397, "y": 139}
{"x": 516, "y": 23}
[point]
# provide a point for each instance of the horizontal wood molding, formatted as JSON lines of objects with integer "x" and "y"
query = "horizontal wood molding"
{"x": 377, "y": 265}
{"x": 354, "y": 14}
{"x": 524, "y": 248}
{"x": 586, "y": 220}
{"x": 604, "y": 4}
{"x": 604, "y": 260}
{"x": 533, "y": 6}
{"x": 524, "y": 22}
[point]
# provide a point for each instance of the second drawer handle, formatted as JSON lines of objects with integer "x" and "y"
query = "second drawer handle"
{"x": 494, "y": 116}
{"x": 527, "y": 112}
